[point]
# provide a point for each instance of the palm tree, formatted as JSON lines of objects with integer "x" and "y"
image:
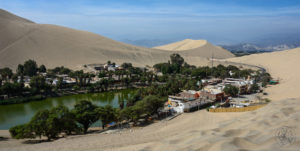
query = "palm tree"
{"x": 104, "y": 83}
{"x": 126, "y": 81}
{"x": 90, "y": 76}
{"x": 118, "y": 73}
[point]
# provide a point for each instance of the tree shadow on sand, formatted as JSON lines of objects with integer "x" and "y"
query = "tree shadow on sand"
{"x": 37, "y": 141}
{"x": 3, "y": 138}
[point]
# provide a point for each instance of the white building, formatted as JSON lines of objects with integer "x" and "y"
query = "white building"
{"x": 176, "y": 105}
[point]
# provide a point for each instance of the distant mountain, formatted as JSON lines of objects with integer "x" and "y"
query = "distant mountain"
{"x": 253, "y": 48}
{"x": 149, "y": 43}
{"x": 275, "y": 39}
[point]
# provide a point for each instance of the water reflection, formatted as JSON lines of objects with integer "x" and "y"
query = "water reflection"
{"x": 11, "y": 115}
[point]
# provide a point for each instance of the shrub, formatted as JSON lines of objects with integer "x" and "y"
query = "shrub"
{"x": 43, "y": 123}
{"x": 231, "y": 90}
{"x": 254, "y": 88}
{"x": 267, "y": 100}
{"x": 21, "y": 131}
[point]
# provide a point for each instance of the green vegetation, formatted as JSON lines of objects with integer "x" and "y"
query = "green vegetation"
{"x": 85, "y": 114}
{"x": 107, "y": 114}
{"x": 38, "y": 84}
{"x": 21, "y": 131}
{"x": 6, "y": 73}
{"x": 264, "y": 78}
{"x": 51, "y": 123}
{"x": 30, "y": 68}
{"x": 48, "y": 123}
{"x": 254, "y": 88}
{"x": 42, "y": 69}
{"x": 177, "y": 67}
{"x": 267, "y": 100}
{"x": 13, "y": 85}
{"x": 231, "y": 90}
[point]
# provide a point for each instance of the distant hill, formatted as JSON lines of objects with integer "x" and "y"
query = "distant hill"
{"x": 258, "y": 48}
{"x": 21, "y": 39}
{"x": 149, "y": 43}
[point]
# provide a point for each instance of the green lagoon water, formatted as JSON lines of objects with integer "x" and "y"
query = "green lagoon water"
{"x": 15, "y": 114}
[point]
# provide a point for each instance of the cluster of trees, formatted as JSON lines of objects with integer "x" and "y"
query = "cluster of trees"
{"x": 234, "y": 91}
{"x": 126, "y": 77}
{"x": 51, "y": 123}
{"x": 254, "y": 88}
{"x": 30, "y": 68}
{"x": 220, "y": 71}
{"x": 172, "y": 67}
{"x": 264, "y": 78}
{"x": 231, "y": 90}
{"x": 178, "y": 66}
{"x": 12, "y": 84}
{"x": 109, "y": 79}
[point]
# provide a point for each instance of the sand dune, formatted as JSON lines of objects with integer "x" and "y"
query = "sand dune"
{"x": 282, "y": 65}
{"x": 202, "y": 48}
{"x": 183, "y": 45}
{"x": 53, "y": 46}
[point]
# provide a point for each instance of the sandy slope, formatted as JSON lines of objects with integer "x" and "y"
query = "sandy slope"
{"x": 183, "y": 45}
{"x": 53, "y": 46}
{"x": 202, "y": 48}
{"x": 206, "y": 131}
{"x": 282, "y": 65}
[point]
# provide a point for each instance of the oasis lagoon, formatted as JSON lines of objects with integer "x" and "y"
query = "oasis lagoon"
{"x": 15, "y": 114}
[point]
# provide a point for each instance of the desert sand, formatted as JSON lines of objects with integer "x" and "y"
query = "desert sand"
{"x": 183, "y": 45}
{"x": 21, "y": 39}
{"x": 282, "y": 66}
{"x": 206, "y": 131}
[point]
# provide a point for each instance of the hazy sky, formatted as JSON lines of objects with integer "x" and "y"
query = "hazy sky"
{"x": 219, "y": 21}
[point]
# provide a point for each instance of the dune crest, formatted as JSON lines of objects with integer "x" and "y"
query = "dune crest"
{"x": 183, "y": 45}
{"x": 193, "y": 48}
